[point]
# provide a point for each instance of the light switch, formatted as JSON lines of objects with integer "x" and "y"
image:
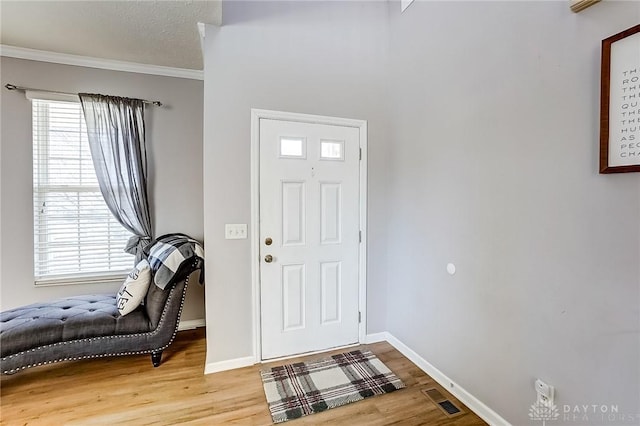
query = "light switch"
{"x": 235, "y": 231}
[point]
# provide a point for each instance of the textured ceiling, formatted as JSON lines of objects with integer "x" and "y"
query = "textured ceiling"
{"x": 149, "y": 32}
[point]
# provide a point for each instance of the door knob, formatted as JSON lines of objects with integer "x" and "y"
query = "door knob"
{"x": 268, "y": 258}
{"x": 268, "y": 241}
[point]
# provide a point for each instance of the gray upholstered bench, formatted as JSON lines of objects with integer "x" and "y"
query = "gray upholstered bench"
{"x": 90, "y": 327}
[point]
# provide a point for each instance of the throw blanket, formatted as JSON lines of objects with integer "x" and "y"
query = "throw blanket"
{"x": 170, "y": 254}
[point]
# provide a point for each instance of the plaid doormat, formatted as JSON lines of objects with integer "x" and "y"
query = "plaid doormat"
{"x": 303, "y": 388}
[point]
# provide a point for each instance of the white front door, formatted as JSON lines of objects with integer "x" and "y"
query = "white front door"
{"x": 309, "y": 236}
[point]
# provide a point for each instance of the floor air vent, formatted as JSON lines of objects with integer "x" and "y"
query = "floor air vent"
{"x": 447, "y": 407}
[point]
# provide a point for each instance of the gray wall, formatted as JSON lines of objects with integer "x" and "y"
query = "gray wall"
{"x": 494, "y": 168}
{"x": 316, "y": 58}
{"x": 174, "y": 146}
{"x": 483, "y": 152}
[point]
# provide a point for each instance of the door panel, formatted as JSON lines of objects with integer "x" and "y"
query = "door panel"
{"x": 293, "y": 300}
{"x": 330, "y": 213}
{"x": 293, "y": 213}
{"x": 331, "y": 289}
{"x": 309, "y": 207}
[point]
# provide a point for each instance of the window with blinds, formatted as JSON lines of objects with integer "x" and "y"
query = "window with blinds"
{"x": 76, "y": 238}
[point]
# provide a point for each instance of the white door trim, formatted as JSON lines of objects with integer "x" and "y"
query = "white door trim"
{"x": 256, "y": 115}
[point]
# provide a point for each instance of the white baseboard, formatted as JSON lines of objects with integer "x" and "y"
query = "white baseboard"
{"x": 191, "y": 324}
{"x": 229, "y": 364}
{"x": 376, "y": 337}
{"x": 474, "y": 404}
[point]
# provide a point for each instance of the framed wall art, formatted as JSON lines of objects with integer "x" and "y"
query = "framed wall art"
{"x": 620, "y": 103}
{"x": 578, "y": 5}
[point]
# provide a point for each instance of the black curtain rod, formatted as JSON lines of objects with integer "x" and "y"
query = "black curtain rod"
{"x": 24, "y": 89}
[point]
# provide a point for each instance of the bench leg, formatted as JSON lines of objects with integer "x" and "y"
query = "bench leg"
{"x": 155, "y": 358}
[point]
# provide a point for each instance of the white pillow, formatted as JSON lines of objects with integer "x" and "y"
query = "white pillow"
{"x": 134, "y": 288}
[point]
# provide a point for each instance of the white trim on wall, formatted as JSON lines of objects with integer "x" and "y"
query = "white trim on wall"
{"x": 256, "y": 115}
{"x": 473, "y": 403}
{"x": 404, "y": 4}
{"x": 106, "y": 64}
{"x": 376, "y": 337}
{"x": 229, "y": 364}
{"x": 191, "y": 324}
{"x": 364, "y": 137}
{"x": 255, "y": 234}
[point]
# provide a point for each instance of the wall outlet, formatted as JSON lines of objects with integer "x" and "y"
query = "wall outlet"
{"x": 545, "y": 392}
{"x": 235, "y": 231}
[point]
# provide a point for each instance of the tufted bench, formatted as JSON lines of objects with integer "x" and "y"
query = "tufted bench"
{"x": 90, "y": 327}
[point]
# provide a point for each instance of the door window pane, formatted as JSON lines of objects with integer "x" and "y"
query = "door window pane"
{"x": 292, "y": 147}
{"x": 332, "y": 150}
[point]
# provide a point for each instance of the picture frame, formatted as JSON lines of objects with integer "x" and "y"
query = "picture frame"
{"x": 620, "y": 103}
{"x": 579, "y": 5}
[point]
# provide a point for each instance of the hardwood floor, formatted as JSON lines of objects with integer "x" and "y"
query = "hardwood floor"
{"x": 128, "y": 390}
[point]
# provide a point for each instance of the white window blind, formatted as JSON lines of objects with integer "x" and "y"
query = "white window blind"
{"x": 75, "y": 235}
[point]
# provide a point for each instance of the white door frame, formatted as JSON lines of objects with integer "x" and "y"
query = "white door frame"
{"x": 256, "y": 115}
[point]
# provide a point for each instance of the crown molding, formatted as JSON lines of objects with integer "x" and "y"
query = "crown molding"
{"x": 404, "y": 4}
{"x": 106, "y": 64}
{"x": 202, "y": 29}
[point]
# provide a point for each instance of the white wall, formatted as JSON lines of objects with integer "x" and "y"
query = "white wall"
{"x": 311, "y": 57}
{"x": 174, "y": 147}
{"x": 494, "y": 168}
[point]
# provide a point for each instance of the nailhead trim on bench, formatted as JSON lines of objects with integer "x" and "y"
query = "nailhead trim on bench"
{"x": 151, "y": 333}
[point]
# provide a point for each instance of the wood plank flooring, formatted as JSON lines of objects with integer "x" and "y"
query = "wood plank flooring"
{"x": 129, "y": 391}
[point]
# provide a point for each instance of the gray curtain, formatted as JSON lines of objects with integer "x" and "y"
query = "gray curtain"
{"x": 115, "y": 127}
